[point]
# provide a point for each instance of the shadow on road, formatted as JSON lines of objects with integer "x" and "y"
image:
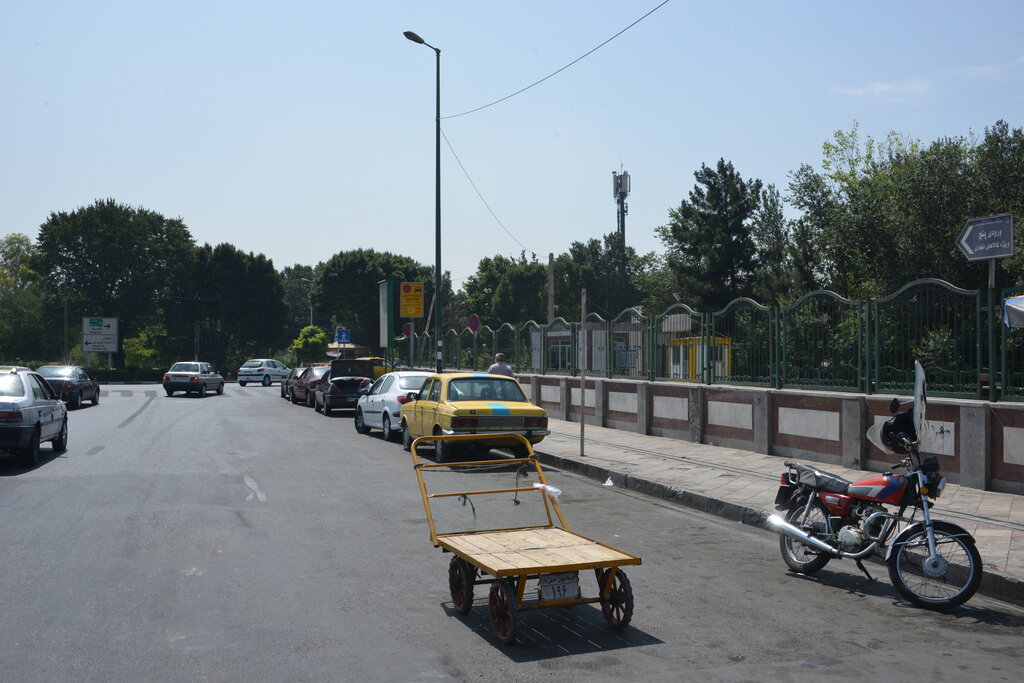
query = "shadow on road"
{"x": 554, "y": 632}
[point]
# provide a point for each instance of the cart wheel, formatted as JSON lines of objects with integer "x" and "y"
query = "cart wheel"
{"x": 502, "y": 608}
{"x": 617, "y": 608}
{"x": 461, "y": 576}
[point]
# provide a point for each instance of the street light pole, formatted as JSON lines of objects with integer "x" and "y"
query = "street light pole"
{"x": 437, "y": 203}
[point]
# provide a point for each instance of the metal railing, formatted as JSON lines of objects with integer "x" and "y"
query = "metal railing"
{"x": 822, "y": 341}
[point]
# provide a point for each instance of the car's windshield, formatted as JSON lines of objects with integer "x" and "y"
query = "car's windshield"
{"x": 411, "y": 383}
{"x": 185, "y": 367}
{"x": 319, "y": 372}
{"x": 252, "y": 364}
{"x": 55, "y": 371}
{"x": 484, "y": 389}
{"x": 10, "y": 385}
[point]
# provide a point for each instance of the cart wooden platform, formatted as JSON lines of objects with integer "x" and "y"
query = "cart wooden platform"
{"x": 509, "y": 558}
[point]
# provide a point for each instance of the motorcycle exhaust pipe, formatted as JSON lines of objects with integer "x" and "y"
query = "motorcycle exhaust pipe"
{"x": 779, "y": 525}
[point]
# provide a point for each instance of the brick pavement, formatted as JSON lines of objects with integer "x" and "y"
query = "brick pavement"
{"x": 741, "y": 485}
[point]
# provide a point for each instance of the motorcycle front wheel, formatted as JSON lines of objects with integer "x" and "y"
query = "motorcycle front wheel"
{"x": 944, "y": 582}
{"x": 799, "y": 557}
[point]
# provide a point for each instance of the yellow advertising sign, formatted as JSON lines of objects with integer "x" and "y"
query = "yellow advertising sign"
{"x": 411, "y": 300}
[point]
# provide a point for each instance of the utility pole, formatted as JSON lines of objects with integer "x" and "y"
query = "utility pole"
{"x": 551, "y": 287}
{"x": 620, "y": 190}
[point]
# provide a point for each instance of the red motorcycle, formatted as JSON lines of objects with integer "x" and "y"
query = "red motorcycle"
{"x": 932, "y": 563}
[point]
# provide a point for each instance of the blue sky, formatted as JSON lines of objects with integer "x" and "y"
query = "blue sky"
{"x": 306, "y": 128}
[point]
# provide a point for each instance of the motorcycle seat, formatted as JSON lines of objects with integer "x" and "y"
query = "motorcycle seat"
{"x": 821, "y": 480}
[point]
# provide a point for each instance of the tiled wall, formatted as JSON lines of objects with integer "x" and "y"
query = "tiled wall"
{"x": 978, "y": 444}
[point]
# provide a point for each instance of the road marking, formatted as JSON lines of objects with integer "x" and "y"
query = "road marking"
{"x": 134, "y": 415}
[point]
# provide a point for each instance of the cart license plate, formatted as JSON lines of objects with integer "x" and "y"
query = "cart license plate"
{"x": 559, "y": 586}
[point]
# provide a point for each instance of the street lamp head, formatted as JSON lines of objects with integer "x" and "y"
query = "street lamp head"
{"x": 413, "y": 37}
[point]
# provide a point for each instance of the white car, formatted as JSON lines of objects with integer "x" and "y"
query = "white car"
{"x": 262, "y": 371}
{"x": 380, "y": 407}
{"x": 31, "y": 414}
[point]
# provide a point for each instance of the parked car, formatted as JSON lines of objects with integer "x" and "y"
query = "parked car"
{"x": 380, "y": 365}
{"x": 193, "y": 376}
{"x": 304, "y": 388}
{"x": 339, "y": 389}
{"x": 71, "y": 383}
{"x": 379, "y": 408}
{"x": 287, "y": 382}
{"x": 471, "y": 403}
{"x": 263, "y": 371}
{"x": 30, "y": 414}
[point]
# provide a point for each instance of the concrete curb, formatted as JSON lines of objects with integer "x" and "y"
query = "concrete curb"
{"x": 993, "y": 584}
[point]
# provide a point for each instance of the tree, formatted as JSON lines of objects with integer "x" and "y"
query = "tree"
{"x": 346, "y": 289}
{"x": 773, "y": 277}
{"x": 311, "y": 345}
{"x": 113, "y": 260}
{"x": 708, "y": 238}
{"x": 598, "y": 266}
{"x": 507, "y": 290}
{"x": 27, "y": 326}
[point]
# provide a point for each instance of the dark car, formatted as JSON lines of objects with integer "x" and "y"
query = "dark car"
{"x": 193, "y": 376}
{"x": 30, "y": 414}
{"x": 71, "y": 383}
{"x": 304, "y": 388}
{"x": 287, "y": 382}
{"x": 340, "y": 389}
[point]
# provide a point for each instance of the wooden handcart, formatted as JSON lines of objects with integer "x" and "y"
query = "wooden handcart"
{"x": 509, "y": 558}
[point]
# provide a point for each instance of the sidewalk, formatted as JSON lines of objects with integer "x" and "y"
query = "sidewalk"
{"x": 741, "y": 485}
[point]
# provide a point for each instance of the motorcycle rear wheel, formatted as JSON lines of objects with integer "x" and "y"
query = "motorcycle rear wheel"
{"x": 954, "y": 587}
{"x": 801, "y": 558}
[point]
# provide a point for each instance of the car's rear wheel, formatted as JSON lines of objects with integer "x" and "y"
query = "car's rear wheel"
{"x": 170, "y": 392}
{"x": 442, "y": 450}
{"x": 406, "y": 436}
{"x": 76, "y": 400}
{"x": 266, "y": 380}
{"x": 30, "y": 453}
{"x": 60, "y": 442}
{"x": 326, "y": 408}
{"x": 242, "y": 384}
{"x": 202, "y": 390}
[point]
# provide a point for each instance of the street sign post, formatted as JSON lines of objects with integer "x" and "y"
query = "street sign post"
{"x": 987, "y": 238}
{"x": 411, "y": 304}
{"x": 99, "y": 335}
{"x": 103, "y": 343}
{"x": 99, "y": 326}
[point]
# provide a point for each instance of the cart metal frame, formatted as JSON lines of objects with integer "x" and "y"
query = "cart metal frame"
{"x": 512, "y": 556}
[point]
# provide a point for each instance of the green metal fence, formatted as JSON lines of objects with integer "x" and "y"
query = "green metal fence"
{"x": 822, "y": 341}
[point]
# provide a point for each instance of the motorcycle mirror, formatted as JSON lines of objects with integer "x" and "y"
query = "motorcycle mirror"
{"x": 920, "y": 398}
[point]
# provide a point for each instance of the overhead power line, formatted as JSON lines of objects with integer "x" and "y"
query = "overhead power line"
{"x": 583, "y": 56}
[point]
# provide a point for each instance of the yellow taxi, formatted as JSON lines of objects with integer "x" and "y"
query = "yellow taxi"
{"x": 381, "y": 366}
{"x": 471, "y": 403}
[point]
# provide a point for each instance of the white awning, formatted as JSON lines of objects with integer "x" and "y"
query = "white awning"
{"x": 1013, "y": 311}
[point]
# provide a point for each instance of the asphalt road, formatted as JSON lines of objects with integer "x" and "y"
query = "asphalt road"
{"x": 243, "y": 538}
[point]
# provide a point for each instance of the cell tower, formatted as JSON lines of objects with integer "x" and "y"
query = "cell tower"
{"x": 620, "y": 190}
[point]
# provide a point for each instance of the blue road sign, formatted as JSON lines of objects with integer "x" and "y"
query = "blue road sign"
{"x": 344, "y": 335}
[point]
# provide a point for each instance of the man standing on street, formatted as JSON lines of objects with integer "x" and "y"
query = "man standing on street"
{"x": 500, "y": 367}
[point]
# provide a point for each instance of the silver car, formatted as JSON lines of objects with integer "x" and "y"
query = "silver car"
{"x": 380, "y": 406}
{"x": 262, "y": 371}
{"x": 30, "y": 414}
